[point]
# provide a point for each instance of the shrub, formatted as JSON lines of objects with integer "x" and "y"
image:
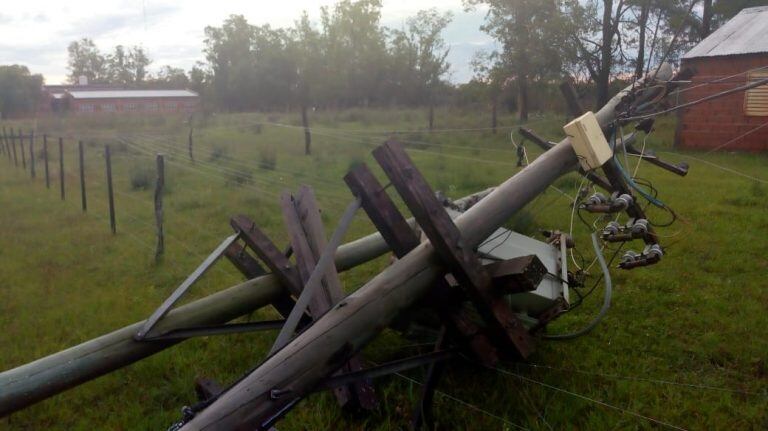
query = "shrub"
{"x": 239, "y": 177}
{"x": 268, "y": 158}
{"x": 142, "y": 177}
{"x": 217, "y": 153}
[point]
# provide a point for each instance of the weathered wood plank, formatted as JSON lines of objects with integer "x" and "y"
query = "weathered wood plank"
{"x": 302, "y": 217}
{"x": 250, "y": 268}
{"x": 449, "y": 246}
{"x": 401, "y": 238}
{"x": 266, "y": 250}
{"x": 381, "y": 210}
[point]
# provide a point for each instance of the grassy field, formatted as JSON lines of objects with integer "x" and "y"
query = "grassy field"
{"x": 685, "y": 343}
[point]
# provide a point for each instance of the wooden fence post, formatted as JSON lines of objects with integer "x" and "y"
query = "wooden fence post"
{"x": 111, "y": 196}
{"x": 23, "y": 153}
{"x": 190, "y": 144}
{"x": 3, "y": 142}
{"x": 32, "y": 154}
{"x": 159, "y": 186}
{"x": 82, "y": 176}
{"x": 45, "y": 156}
{"x": 13, "y": 145}
{"x": 61, "y": 167}
{"x": 494, "y": 109}
{"x": 307, "y": 133}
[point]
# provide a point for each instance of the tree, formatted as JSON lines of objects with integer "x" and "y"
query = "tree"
{"x": 642, "y": 29}
{"x": 706, "y": 19}
{"x": 598, "y": 41}
{"x": 355, "y": 49}
{"x": 532, "y": 34}
{"x": 169, "y": 76}
{"x": 228, "y": 51}
{"x": 139, "y": 62}
{"x": 19, "y": 90}
{"x": 85, "y": 59}
{"x": 419, "y": 54}
{"x": 120, "y": 67}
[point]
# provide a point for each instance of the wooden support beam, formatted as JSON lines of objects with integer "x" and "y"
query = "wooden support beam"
{"x": 381, "y": 210}
{"x": 302, "y": 217}
{"x": 457, "y": 254}
{"x": 266, "y": 250}
{"x": 29, "y": 383}
{"x": 250, "y": 268}
{"x": 402, "y": 239}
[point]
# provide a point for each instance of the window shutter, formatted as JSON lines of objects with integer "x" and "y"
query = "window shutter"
{"x": 756, "y": 99}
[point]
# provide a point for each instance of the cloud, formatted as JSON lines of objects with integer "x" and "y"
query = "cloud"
{"x": 126, "y": 20}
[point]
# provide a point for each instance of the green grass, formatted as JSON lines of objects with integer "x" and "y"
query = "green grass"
{"x": 699, "y": 317}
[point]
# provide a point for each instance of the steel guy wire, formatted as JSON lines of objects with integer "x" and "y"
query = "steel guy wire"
{"x": 739, "y": 137}
{"x": 350, "y": 134}
{"x": 715, "y": 165}
{"x": 703, "y": 84}
{"x": 697, "y": 101}
{"x": 333, "y": 194}
{"x": 413, "y": 131}
{"x": 237, "y": 163}
{"x": 466, "y": 404}
{"x": 641, "y": 379}
{"x": 183, "y": 220}
{"x": 592, "y": 400}
{"x": 216, "y": 173}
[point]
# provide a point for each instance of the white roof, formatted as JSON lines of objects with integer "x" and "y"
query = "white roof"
{"x": 130, "y": 94}
{"x": 746, "y": 33}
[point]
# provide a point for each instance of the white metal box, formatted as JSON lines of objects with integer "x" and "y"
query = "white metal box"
{"x": 588, "y": 141}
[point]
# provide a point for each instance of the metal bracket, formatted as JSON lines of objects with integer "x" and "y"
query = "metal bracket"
{"x": 165, "y": 307}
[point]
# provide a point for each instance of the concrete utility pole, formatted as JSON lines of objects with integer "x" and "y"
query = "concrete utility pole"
{"x": 322, "y": 348}
{"x": 33, "y": 382}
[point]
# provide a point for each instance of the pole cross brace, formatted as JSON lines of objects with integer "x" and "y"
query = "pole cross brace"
{"x": 459, "y": 256}
{"x": 250, "y": 268}
{"x": 401, "y": 240}
{"x": 301, "y": 214}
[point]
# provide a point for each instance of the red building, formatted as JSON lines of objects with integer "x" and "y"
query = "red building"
{"x": 732, "y": 56}
{"x": 93, "y": 102}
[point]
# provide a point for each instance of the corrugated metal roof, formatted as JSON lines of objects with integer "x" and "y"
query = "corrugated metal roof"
{"x": 131, "y": 94}
{"x": 746, "y": 33}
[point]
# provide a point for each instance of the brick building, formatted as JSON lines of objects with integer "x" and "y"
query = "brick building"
{"x": 732, "y": 56}
{"x": 93, "y": 102}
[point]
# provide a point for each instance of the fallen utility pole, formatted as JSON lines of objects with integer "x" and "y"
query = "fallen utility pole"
{"x": 261, "y": 397}
{"x": 33, "y": 382}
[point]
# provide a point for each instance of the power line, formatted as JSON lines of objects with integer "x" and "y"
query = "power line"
{"x": 592, "y": 400}
{"x": 698, "y": 101}
{"x": 639, "y": 379}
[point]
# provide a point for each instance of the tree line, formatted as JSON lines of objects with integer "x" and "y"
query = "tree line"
{"x": 349, "y": 58}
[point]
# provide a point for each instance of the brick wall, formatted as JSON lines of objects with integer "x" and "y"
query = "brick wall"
{"x": 714, "y": 123}
{"x": 144, "y": 106}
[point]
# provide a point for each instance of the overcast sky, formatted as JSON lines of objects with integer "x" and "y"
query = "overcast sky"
{"x": 35, "y": 33}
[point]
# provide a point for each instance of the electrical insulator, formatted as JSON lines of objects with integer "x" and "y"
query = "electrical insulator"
{"x": 613, "y": 228}
{"x": 651, "y": 255}
{"x": 653, "y": 251}
{"x": 597, "y": 199}
{"x": 630, "y": 257}
{"x": 622, "y": 201}
{"x": 639, "y": 228}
